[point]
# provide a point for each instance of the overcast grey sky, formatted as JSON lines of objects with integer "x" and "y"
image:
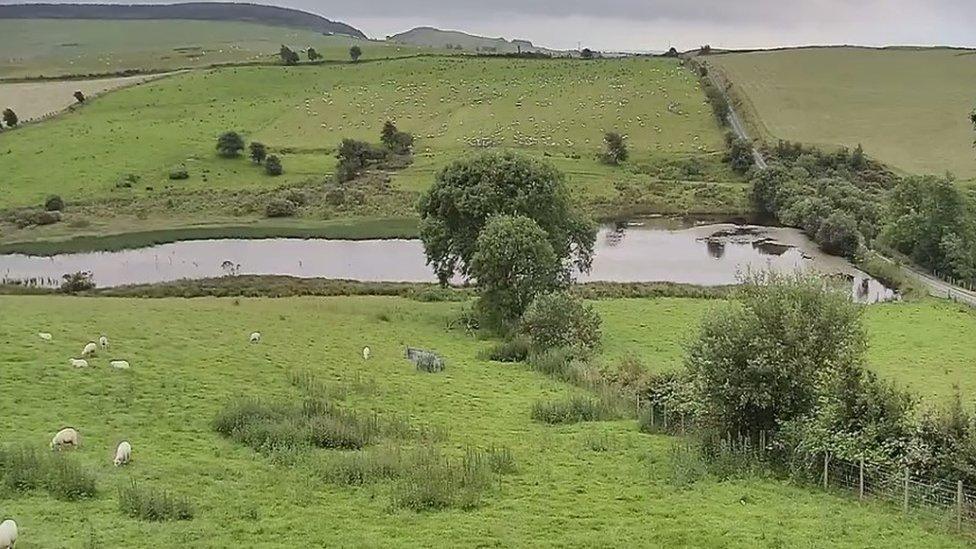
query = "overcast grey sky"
{"x": 657, "y": 24}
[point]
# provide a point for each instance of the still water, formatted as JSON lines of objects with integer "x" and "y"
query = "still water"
{"x": 653, "y": 251}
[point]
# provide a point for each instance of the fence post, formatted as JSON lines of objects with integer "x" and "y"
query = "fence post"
{"x": 664, "y": 408}
{"x": 826, "y": 457}
{"x": 860, "y": 485}
{"x": 762, "y": 441}
{"x": 905, "y": 506}
{"x": 959, "y": 506}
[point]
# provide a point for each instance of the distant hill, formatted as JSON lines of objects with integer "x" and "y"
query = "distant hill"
{"x": 437, "y": 38}
{"x": 200, "y": 11}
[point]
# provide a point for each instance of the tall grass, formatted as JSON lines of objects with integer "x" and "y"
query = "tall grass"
{"x": 23, "y": 469}
{"x": 575, "y": 409}
{"x": 153, "y": 505}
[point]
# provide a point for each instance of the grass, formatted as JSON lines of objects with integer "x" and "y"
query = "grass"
{"x": 153, "y": 505}
{"x": 553, "y": 109}
{"x": 190, "y": 357}
{"x": 907, "y": 107}
{"x": 45, "y": 47}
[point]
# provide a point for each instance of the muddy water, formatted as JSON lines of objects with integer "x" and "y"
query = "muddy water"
{"x": 638, "y": 252}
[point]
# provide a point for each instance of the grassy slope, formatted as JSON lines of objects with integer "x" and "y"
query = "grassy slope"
{"x": 47, "y": 47}
{"x": 907, "y": 107}
{"x": 563, "y": 495}
{"x": 924, "y": 346}
{"x": 560, "y": 108}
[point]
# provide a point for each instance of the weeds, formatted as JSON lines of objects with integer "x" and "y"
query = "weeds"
{"x": 573, "y": 410}
{"x": 513, "y": 350}
{"x": 153, "y": 505}
{"x": 23, "y": 469}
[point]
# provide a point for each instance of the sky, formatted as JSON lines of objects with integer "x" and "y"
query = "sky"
{"x": 650, "y": 25}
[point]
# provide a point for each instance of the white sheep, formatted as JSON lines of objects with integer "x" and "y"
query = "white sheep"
{"x": 45, "y": 336}
{"x": 66, "y": 437}
{"x": 365, "y": 353}
{"x": 123, "y": 453}
{"x": 8, "y": 534}
{"x": 119, "y": 364}
{"x": 89, "y": 349}
{"x": 255, "y": 337}
{"x": 103, "y": 342}
{"x": 79, "y": 362}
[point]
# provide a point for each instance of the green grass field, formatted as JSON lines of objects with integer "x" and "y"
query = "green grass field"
{"x": 558, "y": 109}
{"x": 189, "y": 356}
{"x": 49, "y": 47}
{"x": 909, "y": 108}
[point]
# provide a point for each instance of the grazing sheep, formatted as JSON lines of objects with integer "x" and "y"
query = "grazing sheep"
{"x": 255, "y": 337}
{"x": 123, "y": 453}
{"x": 89, "y": 349}
{"x": 79, "y": 362}
{"x": 103, "y": 342}
{"x": 119, "y": 364}
{"x": 365, "y": 353}
{"x": 8, "y": 534}
{"x": 45, "y": 336}
{"x": 66, "y": 437}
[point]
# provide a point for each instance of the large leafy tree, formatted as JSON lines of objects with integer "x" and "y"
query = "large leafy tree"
{"x": 923, "y": 214}
{"x": 230, "y": 144}
{"x": 467, "y": 193}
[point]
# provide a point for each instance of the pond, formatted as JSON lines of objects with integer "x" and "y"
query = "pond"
{"x": 655, "y": 250}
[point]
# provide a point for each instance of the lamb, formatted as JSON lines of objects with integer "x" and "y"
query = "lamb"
{"x": 255, "y": 337}
{"x": 8, "y": 534}
{"x": 119, "y": 364}
{"x": 45, "y": 336}
{"x": 66, "y": 437}
{"x": 123, "y": 453}
{"x": 89, "y": 349}
{"x": 103, "y": 341}
{"x": 79, "y": 362}
{"x": 365, "y": 353}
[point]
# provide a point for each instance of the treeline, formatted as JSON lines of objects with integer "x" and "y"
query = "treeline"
{"x": 846, "y": 202}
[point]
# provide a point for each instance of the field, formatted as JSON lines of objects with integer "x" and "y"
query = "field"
{"x": 557, "y": 109}
{"x": 567, "y": 491}
{"x": 47, "y": 47}
{"x": 908, "y": 107}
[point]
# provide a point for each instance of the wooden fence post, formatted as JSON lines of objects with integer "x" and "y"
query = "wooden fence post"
{"x": 860, "y": 491}
{"x": 905, "y": 505}
{"x": 959, "y": 497}
{"x": 826, "y": 458}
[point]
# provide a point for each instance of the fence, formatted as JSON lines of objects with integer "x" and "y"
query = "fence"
{"x": 948, "y": 503}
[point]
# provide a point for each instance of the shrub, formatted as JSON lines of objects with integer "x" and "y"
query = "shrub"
{"x": 616, "y": 149}
{"x": 45, "y": 217}
{"x": 335, "y": 196}
{"x": 573, "y": 410}
{"x": 560, "y": 319}
{"x": 54, "y": 204}
{"x": 296, "y": 197}
{"x": 67, "y": 480}
{"x": 433, "y": 481}
{"x": 258, "y": 152}
{"x": 512, "y": 350}
{"x": 77, "y": 282}
{"x": 178, "y": 174}
{"x": 23, "y": 469}
{"x": 280, "y": 207}
{"x": 272, "y": 166}
{"x": 430, "y": 363}
{"x": 555, "y": 362}
{"x": 838, "y": 235}
{"x": 230, "y": 144}
{"x": 153, "y": 505}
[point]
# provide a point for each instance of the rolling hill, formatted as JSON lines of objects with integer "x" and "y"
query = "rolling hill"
{"x": 437, "y": 38}
{"x": 197, "y": 11}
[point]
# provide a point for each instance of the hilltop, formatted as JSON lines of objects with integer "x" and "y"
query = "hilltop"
{"x": 198, "y": 11}
{"x": 437, "y": 38}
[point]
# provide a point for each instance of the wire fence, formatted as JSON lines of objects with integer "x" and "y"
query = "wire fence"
{"x": 945, "y": 502}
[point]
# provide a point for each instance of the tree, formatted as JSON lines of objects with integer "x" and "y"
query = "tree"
{"x": 762, "y": 359}
{"x": 79, "y": 97}
{"x": 398, "y": 142}
{"x": 355, "y": 53}
{"x": 288, "y": 56}
{"x": 354, "y": 156}
{"x": 313, "y": 55}
{"x": 587, "y": 53}
{"x": 561, "y": 320}
{"x": 468, "y": 192}
{"x": 230, "y": 144}
{"x": 272, "y": 166}
{"x": 616, "y": 150}
{"x": 10, "y": 118}
{"x": 258, "y": 152}
{"x": 838, "y": 234}
{"x": 513, "y": 262}
{"x": 922, "y": 213}
{"x": 388, "y": 134}
{"x": 739, "y": 155}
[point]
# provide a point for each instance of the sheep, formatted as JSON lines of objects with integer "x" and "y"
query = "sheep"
{"x": 365, "y": 353}
{"x": 255, "y": 337}
{"x": 79, "y": 362}
{"x": 45, "y": 336}
{"x": 89, "y": 349}
{"x": 119, "y": 364}
{"x": 123, "y": 453}
{"x": 65, "y": 437}
{"x": 103, "y": 342}
{"x": 8, "y": 534}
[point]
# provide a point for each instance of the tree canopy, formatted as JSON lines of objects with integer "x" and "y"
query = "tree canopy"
{"x": 230, "y": 144}
{"x": 355, "y": 53}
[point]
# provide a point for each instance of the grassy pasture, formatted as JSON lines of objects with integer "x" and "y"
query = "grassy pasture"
{"x": 908, "y": 107}
{"x": 48, "y": 47}
{"x": 564, "y": 493}
{"x": 454, "y": 106}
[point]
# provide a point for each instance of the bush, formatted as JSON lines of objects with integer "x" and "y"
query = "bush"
{"x": 296, "y": 197}
{"x": 512, "y": 350}
{"x": 153, "y": 505}
{"x": 838, "y": 235}
{"x": 54, "y": 204}
{"x": 560, "y": 319}
{"x": 616, "y": 149}
{"x": 23, "y": 469}
{"x": 45, "y": 217}
{"x": 433, "y": 481}
{"x": 280, "y": 207}
{"x": 68, "y": 481}
{"x": 77, "y": 282}
{"x": 272, "y": 166}
{"x": 430, "y": 363}
{"x": 555, "y": 362}
{"x": 258, "y": 152}
{"x": 739, "y": 155}
{"x": 178, "y": 174}
{"x": 230, "y": 144}
{"x": 573, "y": 410}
